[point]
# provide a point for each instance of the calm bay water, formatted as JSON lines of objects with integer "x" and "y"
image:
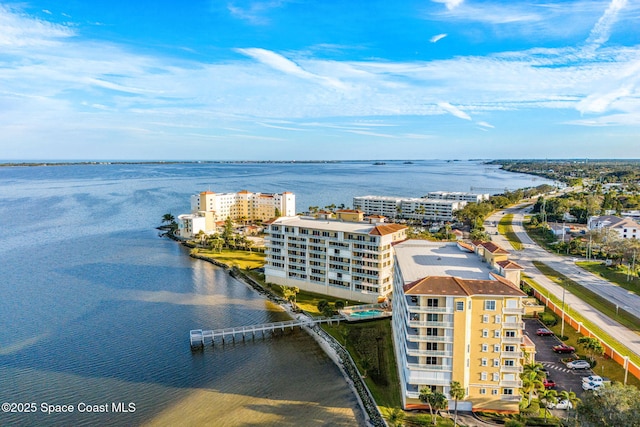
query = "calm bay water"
{"x": 96, "y": 308}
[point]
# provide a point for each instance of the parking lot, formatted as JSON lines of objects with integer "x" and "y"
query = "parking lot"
{"x": 565, "y": 378}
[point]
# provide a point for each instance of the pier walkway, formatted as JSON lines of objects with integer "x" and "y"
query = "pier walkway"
{"x": 198, "y": 337}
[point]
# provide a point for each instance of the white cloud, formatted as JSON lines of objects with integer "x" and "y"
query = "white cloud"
{"x": 437, "y": 38}
{"x": 485, "y": 124}
{"x": 602, "y": 30}
{"x": 450, "y": 4}
{"x": 18, "y": 30}
{"x": 455, "y": 111}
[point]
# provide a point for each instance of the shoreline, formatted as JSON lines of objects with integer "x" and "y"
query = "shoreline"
{"x": 368, "y": 413}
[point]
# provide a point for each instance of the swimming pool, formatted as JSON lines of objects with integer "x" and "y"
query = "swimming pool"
{"x": 367, "y": 313}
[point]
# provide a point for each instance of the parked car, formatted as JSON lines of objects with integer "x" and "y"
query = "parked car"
{"x": 563, "y": 348}
{"x": 591, "y": 386}
{"x": 549, "y": 383}
{"x": 543, "y": 332}
{"x": 579, "y": 364}
{"x": 592, "y": 379}
{"x": 562, "y": 404}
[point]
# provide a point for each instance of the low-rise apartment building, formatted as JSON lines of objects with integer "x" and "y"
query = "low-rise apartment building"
{"x": 350, "y": 260}
{"x": 625, "y": 228}
{"x": 455, "y": 318}
{"x": 458, "y": 195}
{"x": 408, "y": 208}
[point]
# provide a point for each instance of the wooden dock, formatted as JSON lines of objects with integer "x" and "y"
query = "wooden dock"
{"x": 199, "y": 338}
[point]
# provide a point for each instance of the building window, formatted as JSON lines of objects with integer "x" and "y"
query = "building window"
{"x": 494, "y": 391}
{"x": 498, "y": 319}
{"x": 510, "y": 334}
{"x": 485, "y": 347}
{"x": 483, "y": 376}
{"x": 508, "y": 391}
{"x": 490, "y": 305}
{"x": 510, "y": 348}
{"x": 496, "y": 362}
{"x": 431, "y": 360}
{"x": 485, "y": 318}
{"x": 496, "y": 348}
{"x": 432, "y": 317}
{"x": 483, "y": 362}
{"x": 496, "y": 376}
{"x": 432, "y": 302}
{"x": 509, "y": 362}
{"x": 485, "y": 333}
{"x": 483, "y": 391}
{"x": 432, "y": 332}
{"x": 496, "y": 333}
{"x": 460, "y": 306}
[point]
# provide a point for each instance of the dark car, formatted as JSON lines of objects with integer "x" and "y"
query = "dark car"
{"x": 543, "y": 332}
{"x": 563, "y": 348}
{"x": 549, "y": 383}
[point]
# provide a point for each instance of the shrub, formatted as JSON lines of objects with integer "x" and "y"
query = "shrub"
{"x": 339, "y": 305}
{"x": 548, "y": 319}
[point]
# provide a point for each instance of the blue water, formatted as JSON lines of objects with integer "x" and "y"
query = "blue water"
{"x": 96, "y": 308}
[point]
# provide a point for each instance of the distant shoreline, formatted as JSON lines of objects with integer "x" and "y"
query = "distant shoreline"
{"x": 196, "y": 162}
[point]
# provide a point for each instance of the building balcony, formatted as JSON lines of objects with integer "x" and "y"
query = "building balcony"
{"x": 512, "y": 354}
{"x": 517, "y": 325}
{"x": 425, "y": 367}
{"x": 511, "y": 384}
{"x": 511, "y": 369}
{"x": 509, "y": 310}
{"x": 415, "y": 308}
{"x": 512, "y": 340}
{"x": 426, "y": 324}
{"x": 417, "y": 352}
{"x": 429, "y": 338}
{"x": 510, "y": 398}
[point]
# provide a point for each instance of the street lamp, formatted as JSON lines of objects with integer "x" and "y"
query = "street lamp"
{"x": 564, "y": 289}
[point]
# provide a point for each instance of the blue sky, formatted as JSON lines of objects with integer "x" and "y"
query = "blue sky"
{"x": 297, "y": 80}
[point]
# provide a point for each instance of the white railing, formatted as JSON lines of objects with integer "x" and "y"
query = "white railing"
{"x": 517, "y": 325}
{"x": 511, "y": 369}
{"x": 512, "y": 340}
{"x": 425, "y": 367}
{"x": 512, "y": 354}
{"x": 512, "y": 310}
{"x": 427, "y": 324}
{"x": 429, "y": 338}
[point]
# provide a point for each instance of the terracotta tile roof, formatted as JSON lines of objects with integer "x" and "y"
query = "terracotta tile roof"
{"x": 493, "y": 248}
{"x": 454, "y": 286}
{"x": 465, "y": 246}
{"x": 207, "y": 192}
{"x": 384, "y": 229}
{"x": 350, "y": 210}
{"x": 270, "y": 221}
{"x": 244, "y": 192}
{"x": 504, "y": 280}
{"x": 509, "y": 265}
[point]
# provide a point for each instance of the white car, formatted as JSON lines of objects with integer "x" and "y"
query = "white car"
{"x": 592, "y": 379}
{"x": 562, "y": 404}
{"x": 591, "y": 386}
{"x": 579, "y": 364}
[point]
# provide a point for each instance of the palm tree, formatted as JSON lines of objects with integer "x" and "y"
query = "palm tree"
{"x": 168, "y": 218}
{"x": 573, "y": 399}
{"x": 457, "y": 392}
{"x": 438, "y": 401}
{"x": 592, "y": 345}
{"x": 394, "y": 416}
{"x": 545, "y": 397}
{"x": 425, "y": 397}
{"x": 531, "y": 383}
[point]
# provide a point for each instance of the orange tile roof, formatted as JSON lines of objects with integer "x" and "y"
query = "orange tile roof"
{"x": 509, "y": 265}
{"x": 453, "y": 286}
{"x": 493, "y": 248}
{"x": 350, "y": 210}
{"x": 384, "y": 229}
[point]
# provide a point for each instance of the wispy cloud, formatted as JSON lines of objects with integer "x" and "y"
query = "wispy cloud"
{"x": 485, "y": 124}
{"x": 18, "y": 30}
{"x": 437, "y": 38}
{"x": 602, "y": 30}
{"x": 450, "y": 4}
{"x": 454, "y": 111}
{"x": 253, "y": 11}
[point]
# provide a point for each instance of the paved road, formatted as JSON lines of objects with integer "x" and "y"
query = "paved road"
{"x": 615, "y": 294}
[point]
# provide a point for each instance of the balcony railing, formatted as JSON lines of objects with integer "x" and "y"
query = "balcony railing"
{"x": 517, "y": 325}
{"x": 416, "y": 352}
{"x": 414, "y": 308}
{"x": 512, "y": 310}
{"x": 428, "y": 338}
{"x": 512, "y": 340}
{"x": 511, "y": 384}
{"x": 512, "y": 354}
{"x": 425, "y": 367}
{"x": 426, "y": 324}
{"x": 511, "y": 369}
{"x": 510, "y": 398}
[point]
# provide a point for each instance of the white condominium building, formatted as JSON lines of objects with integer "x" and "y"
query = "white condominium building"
{"x": 350, "y": 260}
{"x": 244, "y": 205}
{"x": 458, "y": 195}
{"x": 408, "y": 208}
{"x": 456, "y": 319}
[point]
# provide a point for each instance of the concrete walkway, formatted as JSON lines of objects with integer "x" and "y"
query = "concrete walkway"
{"x": 565, "y": 265}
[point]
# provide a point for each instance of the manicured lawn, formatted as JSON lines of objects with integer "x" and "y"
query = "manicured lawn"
{"x": 240, "y": 259}
{"x": 505, "y": 228}
{"x": 613, "y": 274}
{"x": 371, "y": 342}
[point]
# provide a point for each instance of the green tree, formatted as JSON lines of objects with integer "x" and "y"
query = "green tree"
{"x": 546, "y": 397}
{"x": 593, "y": 346}
{"x": 439, "y": 402}
{"x": 572, "y": 398}
{"x": 457, "y": 392}
{"x": 339, "y": 305}
{"x": 425, "y": 397}
{"x": 322, "y": 304}
{"x": 290, "y": 293}
{"x": 531, "y": 384}
{"x": 613, "y": 405}
{"x": 227, "y": 233}
{"x": 168, "y": 218}
{"x": 395, "y": 417}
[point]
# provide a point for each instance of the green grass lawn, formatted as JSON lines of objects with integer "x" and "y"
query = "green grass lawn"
{"x": 505, "y": 228}
{"x": 613, "y": 274}
{"x": 241, "y": 259}
{"x": 371, "y": 343}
